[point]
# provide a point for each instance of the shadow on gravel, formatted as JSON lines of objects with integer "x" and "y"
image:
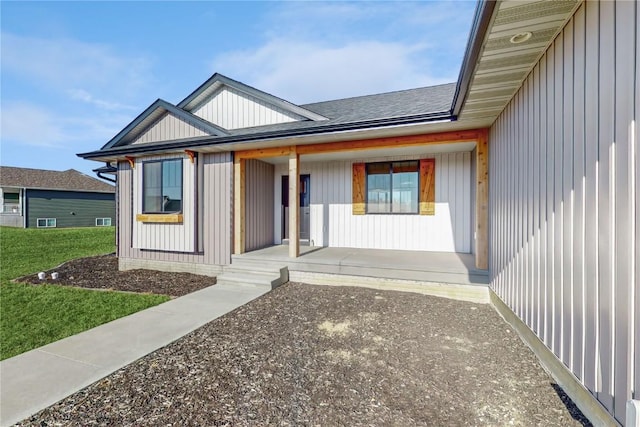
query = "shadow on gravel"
{"x": 575, "y": 412}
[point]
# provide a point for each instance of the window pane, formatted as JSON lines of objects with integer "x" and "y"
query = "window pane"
{"x": 152, "y": 191}
{"x": 378, "y": 188}
{"x": 11, "y": 197}
{"x": 107, "y": 221}
{"x": 405, "y": 192}
{"x": 172, "y": 186}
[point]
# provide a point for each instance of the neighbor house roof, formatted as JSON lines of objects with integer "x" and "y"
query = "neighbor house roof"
{"x": 69, "y": 180}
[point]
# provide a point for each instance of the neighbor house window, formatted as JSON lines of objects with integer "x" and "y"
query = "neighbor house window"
{"x": 162, "y": 186}
{"x": 103, "y": 222}
{"x": 392, "y": 187}
{"x": 11, "y": 203}
{"x": 46, "y": 222}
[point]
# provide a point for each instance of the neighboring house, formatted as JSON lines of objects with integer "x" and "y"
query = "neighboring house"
{"x": 529, "y": 162}
{"x": 44, "y": 199}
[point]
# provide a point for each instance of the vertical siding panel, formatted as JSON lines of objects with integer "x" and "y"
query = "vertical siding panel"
{"x": 550, "y": 148}
{"x": 542, "y": 140}
{"x": 591, "y": 195}
{"x": 578, "y": 185}
{"x": 513, "y": 280}
{"x": 534, "y": 259}
{"x": 605, "y": 196}
{"x": 636, "y": 249}
{"x": 567, "y": 196}
{"x": 558, "y": 202}
{"x": 530, "y": 288}
{"x": 623, "y": 220}
{"x": 466, "y": 207}
{"x": 531, "y": 230}
{"x": 520, "y": 149}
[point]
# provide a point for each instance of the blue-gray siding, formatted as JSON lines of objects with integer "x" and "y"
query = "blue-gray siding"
{"x": 564, "y": 203}
{"x": 69, "y": 208}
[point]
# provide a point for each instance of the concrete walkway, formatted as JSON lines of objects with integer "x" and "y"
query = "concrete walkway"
{"x": 39, "y": 378}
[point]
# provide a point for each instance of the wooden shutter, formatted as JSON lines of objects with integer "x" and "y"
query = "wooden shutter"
{"x": 427, "y": 187}
{"x": 358, "y": 189}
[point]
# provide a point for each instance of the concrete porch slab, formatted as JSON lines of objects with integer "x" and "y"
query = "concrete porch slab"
{"x": 434, "y": 267}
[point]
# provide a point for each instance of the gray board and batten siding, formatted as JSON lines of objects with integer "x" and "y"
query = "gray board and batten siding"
{"x": 69, "y": 208}
{"x": 259, "y": 199}
{"x": 564, "y": 203}
{"x": 213, "y": 232}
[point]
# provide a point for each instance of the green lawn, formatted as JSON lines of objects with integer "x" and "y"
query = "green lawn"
{"x": 32, "y": 316}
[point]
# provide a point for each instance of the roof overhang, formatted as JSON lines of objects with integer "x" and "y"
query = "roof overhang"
{"x": 506, "y": 41}
{"x": 411, "y": 125}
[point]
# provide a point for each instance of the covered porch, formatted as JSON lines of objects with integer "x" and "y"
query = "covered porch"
{"x": 451, "y": 218}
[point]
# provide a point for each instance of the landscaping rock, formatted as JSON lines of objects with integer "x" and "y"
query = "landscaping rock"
{"x": 317, "y": 355}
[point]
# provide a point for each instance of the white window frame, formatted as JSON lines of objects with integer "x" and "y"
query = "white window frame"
{"x": 46, "y": 223}
{"x": 103, "y": 222}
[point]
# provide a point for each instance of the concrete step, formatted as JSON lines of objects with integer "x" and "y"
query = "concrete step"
{"x": 257, "y": 264}
{"x": 244, "y": 276}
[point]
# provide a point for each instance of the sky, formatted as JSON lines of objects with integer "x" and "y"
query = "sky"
{"x": 73, "y": 74}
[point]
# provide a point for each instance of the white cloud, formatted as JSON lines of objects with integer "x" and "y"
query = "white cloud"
{"x": 63, "y": 65}
{"x": 315, "y": 51}
{"x": 307, "y": 72}
{"x": 31, "y": 125}
{"x": 85, "y": 96}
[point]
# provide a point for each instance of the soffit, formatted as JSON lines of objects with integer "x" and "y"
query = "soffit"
{"x": 502, "y": 65}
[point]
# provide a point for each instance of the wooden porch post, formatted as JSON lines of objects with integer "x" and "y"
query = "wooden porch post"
{"x": 294, "y": 204}
{"x": 482, "y": 201}
{"x": 238, "y": 204}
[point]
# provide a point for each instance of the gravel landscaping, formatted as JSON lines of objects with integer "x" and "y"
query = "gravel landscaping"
{"x": 331, "y": 356}
{"x": 101, "y": 272}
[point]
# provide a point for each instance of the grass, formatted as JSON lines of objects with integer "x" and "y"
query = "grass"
{"x": 32, "y": 316}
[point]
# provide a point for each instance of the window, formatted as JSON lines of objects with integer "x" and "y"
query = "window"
{"x": 162, "y": 186}
{"x": 103, "y": 222}
{"x": 46, "y": 222}
{"x": 11, "y": 203}
{"x": 392, "y": 187}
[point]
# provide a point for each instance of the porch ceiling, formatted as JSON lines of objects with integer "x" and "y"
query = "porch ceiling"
{"x": 385, "y": 152}
{"x": 502, "y": 64}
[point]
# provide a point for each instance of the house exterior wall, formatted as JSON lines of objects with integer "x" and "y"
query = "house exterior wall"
{"x": 69, "y": 208}
{"x": 259, "y": 201}
{"x": 333, "y": 223}
{"x": 169, "y": 128}
{"x": 11, "y": 213}
{"x": 180, "y": 237}
{"x": 564, "y": 203}
{"x": 232, "y": 109}
{"x": 214, "y": 233}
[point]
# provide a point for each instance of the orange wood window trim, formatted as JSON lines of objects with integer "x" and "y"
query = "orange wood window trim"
{"x": 427, "y": 187}
{"x": 160, "y": 218}
{"x": 358, "y": 189}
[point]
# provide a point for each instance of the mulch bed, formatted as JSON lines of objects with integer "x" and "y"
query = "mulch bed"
{"x": 101, "y": 272}
{"x": 319, "y": 355}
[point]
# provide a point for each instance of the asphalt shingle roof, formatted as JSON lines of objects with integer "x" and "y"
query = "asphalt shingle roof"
{"x": 69, "y": 180}
{"x": 404, "y": 103}
{"x": 433, "y": 102}
{"x": 433, "y": 99}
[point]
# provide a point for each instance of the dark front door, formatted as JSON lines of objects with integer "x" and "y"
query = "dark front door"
{"x": 305, "y": 201}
